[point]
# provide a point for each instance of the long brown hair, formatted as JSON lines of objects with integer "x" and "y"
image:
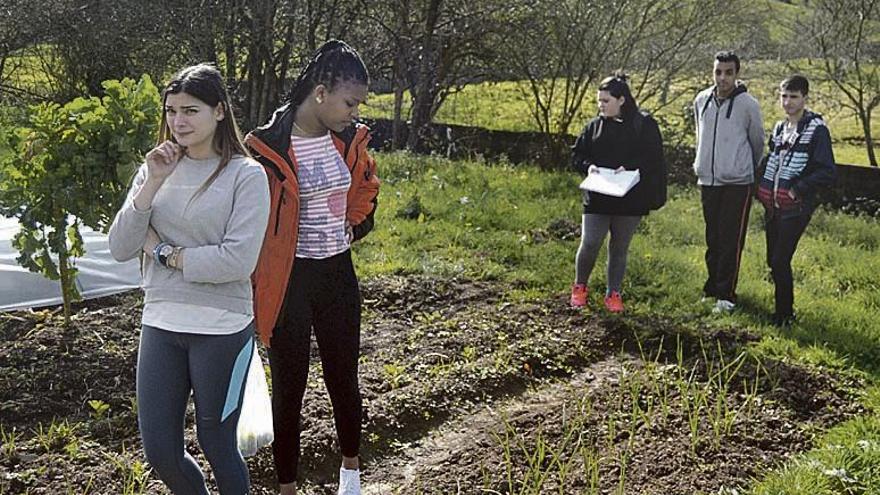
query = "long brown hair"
{"x": 204, "y": 82}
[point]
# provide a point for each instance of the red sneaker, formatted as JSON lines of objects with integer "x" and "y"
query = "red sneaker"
{"x": 579, "y": 295}
{"x": 613, "y": 302}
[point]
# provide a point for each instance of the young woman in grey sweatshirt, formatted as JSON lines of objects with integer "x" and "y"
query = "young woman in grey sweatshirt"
{"x": 198, "y": 210}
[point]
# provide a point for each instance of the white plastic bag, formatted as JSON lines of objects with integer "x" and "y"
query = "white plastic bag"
{"x": 255, "y": 422}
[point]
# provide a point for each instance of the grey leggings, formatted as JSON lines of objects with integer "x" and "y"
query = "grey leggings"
{"x": 214, "y": 368}
{"x": 593, "y": 230}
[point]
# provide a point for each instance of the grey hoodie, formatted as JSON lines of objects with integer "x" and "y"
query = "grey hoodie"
{"x": 730, "y": 137}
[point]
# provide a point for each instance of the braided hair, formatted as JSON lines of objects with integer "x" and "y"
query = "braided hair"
{"x": 334, "y": 62}
{"x": 617, "y": 86}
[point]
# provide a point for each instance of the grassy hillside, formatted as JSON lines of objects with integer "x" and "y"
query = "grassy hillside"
{"x": 516, "y": 227}
{"x": 502, "y": 106}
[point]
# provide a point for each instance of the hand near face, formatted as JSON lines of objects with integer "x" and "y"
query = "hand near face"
{"x": 162, "y": 160}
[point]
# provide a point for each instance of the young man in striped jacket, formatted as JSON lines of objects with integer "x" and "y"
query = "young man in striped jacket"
{"x": 800, "y": 163}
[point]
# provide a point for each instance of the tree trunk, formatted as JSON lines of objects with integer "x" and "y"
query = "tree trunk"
{"x": 66, "y": 293}
{"x": 230, "y": 49}
{"x": 865, "y": 117}
{"x": 398, "y": 83}
{"x": 424, "y": 92}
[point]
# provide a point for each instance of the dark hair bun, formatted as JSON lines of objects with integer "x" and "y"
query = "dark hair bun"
{"x": 331, "y": 45}
{"x": 621, "y": 76}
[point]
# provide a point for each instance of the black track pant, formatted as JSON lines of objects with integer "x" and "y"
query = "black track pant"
{"x": 726, "y": 212}
{"x": 783, "y": 235}
{"x": 323, "y": 295}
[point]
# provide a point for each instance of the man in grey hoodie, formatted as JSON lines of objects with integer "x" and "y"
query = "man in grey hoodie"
{"x": 730, "y": 141}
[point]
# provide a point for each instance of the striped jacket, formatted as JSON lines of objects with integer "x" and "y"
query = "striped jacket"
{"x": 803, "y": 164}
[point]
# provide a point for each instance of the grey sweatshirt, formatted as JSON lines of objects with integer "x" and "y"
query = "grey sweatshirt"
{"x": 730, "y": 138}
{"x": 222, "y": 230}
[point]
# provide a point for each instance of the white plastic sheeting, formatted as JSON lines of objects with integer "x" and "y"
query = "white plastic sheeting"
{"x": 99, "y": 274}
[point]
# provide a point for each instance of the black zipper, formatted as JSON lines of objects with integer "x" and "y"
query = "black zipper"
{"x": 714, "y": 139}
{"x": 278, "y": 211}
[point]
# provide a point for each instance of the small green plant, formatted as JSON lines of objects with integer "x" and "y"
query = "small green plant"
{"x": 8, "y": 441}
{"x": 469, "y": 354}
{"x": 59, "y": 436}
{"x": 395, "y": 374}
{"x": 70, "y": 168}
{"x": 133, "y": 473}
{"x": 99, "y": 409}
{"x": 530, "y": 464}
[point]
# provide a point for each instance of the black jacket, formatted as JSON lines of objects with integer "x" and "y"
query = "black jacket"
{"x": 611, "y": 143}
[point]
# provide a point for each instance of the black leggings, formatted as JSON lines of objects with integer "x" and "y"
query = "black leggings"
{"x": 323, "y": 295}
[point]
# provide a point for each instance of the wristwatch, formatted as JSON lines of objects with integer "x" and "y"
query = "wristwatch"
{"x": 162, "y": 252}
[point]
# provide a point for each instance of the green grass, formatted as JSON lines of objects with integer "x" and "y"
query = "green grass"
{"x": 477, "y": 220}
{"x": 502, "y": 106}
{"x": 492, "y": 222}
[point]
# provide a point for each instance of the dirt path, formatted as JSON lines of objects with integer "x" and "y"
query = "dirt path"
{"x": 462, "y": 440}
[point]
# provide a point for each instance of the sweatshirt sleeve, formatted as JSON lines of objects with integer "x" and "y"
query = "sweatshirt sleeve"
{"x": 580, "y": 152}
{"x": 821, "y": 169}
{"x": 653, "y": 149}
{"x": 756, "y": 132}
{"x": 235, "y": 257}
{"x": 128, "y": 233}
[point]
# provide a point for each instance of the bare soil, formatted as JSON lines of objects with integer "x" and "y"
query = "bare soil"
{"x": 450, "y": 369}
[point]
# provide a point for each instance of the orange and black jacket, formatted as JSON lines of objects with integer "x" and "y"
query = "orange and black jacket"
{"x": 270, "y": 145}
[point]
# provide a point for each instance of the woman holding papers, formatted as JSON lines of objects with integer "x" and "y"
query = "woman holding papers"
{"x": 621, "y": 152}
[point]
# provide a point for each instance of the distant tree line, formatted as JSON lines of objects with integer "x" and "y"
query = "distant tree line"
{"x": 425, "y": 50}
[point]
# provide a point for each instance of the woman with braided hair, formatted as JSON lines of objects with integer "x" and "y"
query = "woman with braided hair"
{"x": 323, "y": 189}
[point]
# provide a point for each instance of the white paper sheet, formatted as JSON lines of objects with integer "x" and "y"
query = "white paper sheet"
{"x": 607, "y": 181}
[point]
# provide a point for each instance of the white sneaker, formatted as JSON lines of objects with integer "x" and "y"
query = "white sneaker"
{"x": 724, "y": 306}
{"x": 349, "y": 482}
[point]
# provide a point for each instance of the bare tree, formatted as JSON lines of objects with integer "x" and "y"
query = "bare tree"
{"x": 562, "y": 47}
{"x": 679, "y": 36}
{"x": 397, "y": 22}
{"x": 559, "y": 49}
{"x": 266, "y": 41}
{"x": 844, "y": 35}
{"x": 436, "y": 47}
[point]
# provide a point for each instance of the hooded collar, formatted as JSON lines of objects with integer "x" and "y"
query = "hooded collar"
{"x": 738, "y": 88}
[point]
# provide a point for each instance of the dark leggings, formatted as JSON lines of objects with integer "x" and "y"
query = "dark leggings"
{"x": 783, "y": 235}
{"x": 594, "y": 228}
{"x": 212, "y": 367}
{"x": 323, "y": 295}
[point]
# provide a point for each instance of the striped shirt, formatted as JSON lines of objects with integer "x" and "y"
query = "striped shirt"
{"x": 324, "y": 181}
